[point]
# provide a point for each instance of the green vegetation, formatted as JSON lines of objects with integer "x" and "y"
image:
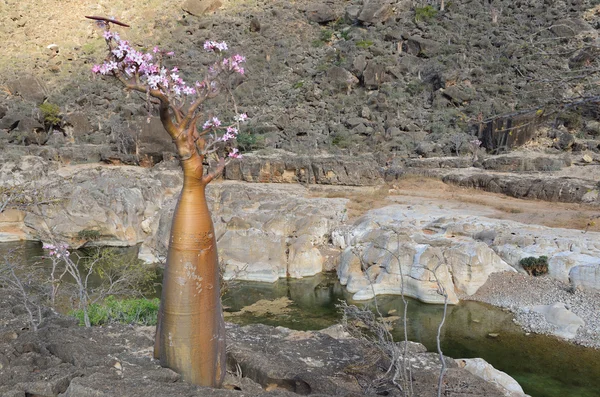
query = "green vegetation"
{"x": 89, "y": 234}
{"x": 50, "y": 114}
{"x": 249, "y": 141}
{"x": 341, "y": 140}
{"x": 425, "y": 13}
{"x": 125, "y": 311}
{"x": 364, "y": 44}
{"x": 571, "y": 119}
{"x": 415, "y": 87}
{"x": 324, "y": 37}
{"x": 535, "y": 266}
{"x": 298, "y": 84}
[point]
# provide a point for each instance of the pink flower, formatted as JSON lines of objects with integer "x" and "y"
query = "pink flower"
{"x": 232, "y": 130}
{"x": 96, "y": 69}
{"x": 235, "y": 154}
{"x": 227, "y": 136}
{"x": 241, "y": 117}
{"x": 155, "y": 49}
{"x": 213, "y": 45}
{"x": 188, "y": 90}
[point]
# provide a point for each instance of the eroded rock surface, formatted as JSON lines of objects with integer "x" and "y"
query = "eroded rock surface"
{"x": 64, "y": 359}
{"x": 417, "y": 249}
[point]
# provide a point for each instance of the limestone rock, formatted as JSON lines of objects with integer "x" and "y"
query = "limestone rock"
{"x": 471, "y": 263}
{"x": 561, "y": 264}
{"x": 284, "y": 167}
{"x": 421, "y": 47}
{"x": 375, "y": 11}
{"x": 321, "y": 13}
{"x": 482, "y": 369}
{"x": 252, "y": 255}
{"x": 586, "y": 276}
{"x": 77, "y": 125}
{"x": 201, "y": 7}
{"x": 374, "y": 75}
{"x": 29, "y": 88}
{"x": 304, "y": 258}
{"x": 567, "y": 323}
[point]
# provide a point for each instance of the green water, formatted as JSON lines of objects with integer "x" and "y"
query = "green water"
{"x": 544, "y": 366}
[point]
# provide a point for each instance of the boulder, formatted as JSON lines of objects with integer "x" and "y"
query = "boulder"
{"x": 304, "y": 258}
{"x": 562, "y": 263}
{"x": 566, "y": 322}
{"x": 201, "y": 7}
{"x": 374, "y": 75}
{"x": 422, "y": 47}
{"x": 77, "y": 125}
{"x": 484, "y": 370}
{"x": 375, "y": 11}
{"x": 341, "y": 79}
{"x": 471, "y": 264}
{"x": 322, "y": 13}
{"x": 29, "y": 88}
{"x": 586, "y": 276}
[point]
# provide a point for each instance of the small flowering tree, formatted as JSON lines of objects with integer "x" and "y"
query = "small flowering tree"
{"x": 190, "y": 337}
{"x": 475, "y": 146}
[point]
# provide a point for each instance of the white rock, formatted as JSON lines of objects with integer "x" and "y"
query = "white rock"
{"x": 586, "y": 276}
{"x": 304, "y": 258}
{"x": 557, "y": 314}
{"x": 482, "y": 369}
{"x": 471, "y": 264}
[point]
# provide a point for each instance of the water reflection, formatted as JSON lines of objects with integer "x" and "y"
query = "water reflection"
{"x": 544, "y": 366}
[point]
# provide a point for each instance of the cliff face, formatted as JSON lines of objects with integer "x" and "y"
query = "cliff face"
{"x": 380, "y": 76}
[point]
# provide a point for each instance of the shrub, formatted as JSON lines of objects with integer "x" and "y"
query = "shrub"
{"x": 125, "y": 311}
{"x": 535, "y": 266}
{"x": 50, "y": 114}
{"x": 326, "y": 35}
{"x": 89, "y": 234}
{"x": 425, "y": 13}
{"x": 364, "y": 44}
{"x": 248, "y": 142}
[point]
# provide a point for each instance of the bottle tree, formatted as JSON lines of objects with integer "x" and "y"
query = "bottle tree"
{"x": 190, "y": 336}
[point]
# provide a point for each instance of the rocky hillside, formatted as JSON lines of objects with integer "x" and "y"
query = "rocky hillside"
{"x": 396, "y": 78}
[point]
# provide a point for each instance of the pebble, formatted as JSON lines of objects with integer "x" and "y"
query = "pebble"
{"x": 516, "y": 292}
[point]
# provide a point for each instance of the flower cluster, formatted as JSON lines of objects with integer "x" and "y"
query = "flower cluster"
{"x": 231, "y": 132}
{"x": 144, "y": 71}
{"x": 212, "y": 46}
{"x": 475, "y": 143}
{"x": 127, "y": 62}
{"x": 57, "y": 250}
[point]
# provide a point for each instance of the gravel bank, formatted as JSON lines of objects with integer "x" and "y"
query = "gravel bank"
{"x": 517, "y": 292}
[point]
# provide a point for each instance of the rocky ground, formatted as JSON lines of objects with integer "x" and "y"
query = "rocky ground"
{"x": 521, "y": 293}
{"x": 63, "y": 359}
{"x": 394, "y": 78}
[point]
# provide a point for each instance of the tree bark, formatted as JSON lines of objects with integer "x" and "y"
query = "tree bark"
{"x": 190, "y": 337}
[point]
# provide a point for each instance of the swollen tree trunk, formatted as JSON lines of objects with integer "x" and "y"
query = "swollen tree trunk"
{"x": 190, "y": 337}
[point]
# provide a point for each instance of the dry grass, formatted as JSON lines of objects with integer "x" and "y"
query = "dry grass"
{"x": 360, "y": 199}
{"x": 414, "y": 189}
